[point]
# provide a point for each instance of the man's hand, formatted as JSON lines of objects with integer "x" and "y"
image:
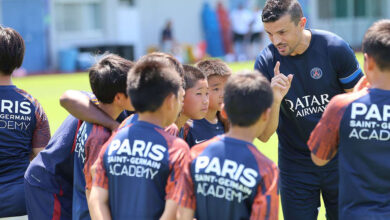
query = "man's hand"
{"x": 280, "y": 83}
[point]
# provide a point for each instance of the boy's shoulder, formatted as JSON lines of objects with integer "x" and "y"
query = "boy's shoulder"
{"x": 196, "y": 150}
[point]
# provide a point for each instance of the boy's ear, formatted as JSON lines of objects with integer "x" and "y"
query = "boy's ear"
{"x": 369, "y": 62}
{"x": 169, "y": 101}
{"x": 266, "y": 115}
{"x": 119, "y": 97}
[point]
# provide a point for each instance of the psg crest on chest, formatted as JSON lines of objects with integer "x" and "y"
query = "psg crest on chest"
{"x": 316, "y": 73}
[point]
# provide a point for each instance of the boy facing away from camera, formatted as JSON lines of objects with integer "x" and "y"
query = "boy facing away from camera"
{"x": 139, "y": 167}
{"x": 227, "y": 177}
{"x": 108, "y": 82}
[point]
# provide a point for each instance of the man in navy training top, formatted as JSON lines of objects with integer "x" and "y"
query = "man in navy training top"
{"x": 306, "y": 68}
{"x": 358, "y": 125}
{"x": 24, "y": 129}
{"x": 138, "y": 169}
{"x": 228, "y": 178}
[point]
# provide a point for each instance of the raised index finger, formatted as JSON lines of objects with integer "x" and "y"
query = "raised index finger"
{"x": 276, "y": 69}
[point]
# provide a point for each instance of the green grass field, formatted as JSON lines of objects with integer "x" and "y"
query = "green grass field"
{"x": 48, "y": 89}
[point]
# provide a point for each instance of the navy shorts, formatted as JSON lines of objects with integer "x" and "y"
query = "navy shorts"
{"x": 44, "y": 205}
{"x": 300, "y": 194}
{"x": 12, "y": 200}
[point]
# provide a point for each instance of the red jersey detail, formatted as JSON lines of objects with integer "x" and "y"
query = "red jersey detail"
{"x": 324, "y": 139}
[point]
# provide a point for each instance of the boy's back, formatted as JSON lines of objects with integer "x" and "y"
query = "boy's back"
{"x": 23, "y": 126}
{"x": 139, "y": 167}
{"x": 90, "y": 138}
{"x": 233, "y": 178}
{"x": 359, "y": 131}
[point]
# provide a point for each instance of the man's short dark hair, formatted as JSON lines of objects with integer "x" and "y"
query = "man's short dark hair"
{"x": 108, "y": 77}
{"x": 11, "y": 50}
{"x": 150, "y": 81}
{"x": 376, "y": 43}
{"x": 214, "y": 67}
{"x": 192, "y": 75}
{"x": 247, "y": 95}
{"x": 275, "y": 9}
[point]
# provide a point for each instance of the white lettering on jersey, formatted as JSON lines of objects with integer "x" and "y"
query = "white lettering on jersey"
{"x": 307, "y": 105}
{"x": 137, "y": 159}
{"x": 369, "y": 122}
{"x": 224, "y": 179}
{"x": 14, "y": 107}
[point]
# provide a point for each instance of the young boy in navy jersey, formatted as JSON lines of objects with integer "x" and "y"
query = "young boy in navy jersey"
{"x": 24, "y": 128}
{"x": 108, "y": 83}
{"x": 197, "y": 131}
{"x": 196, "y": 100}
{"x": 228, "y": 178}
{"x": 79, "y": 105}
{"x": 357, "y": 125}
{"x": 138, "y": 169}
{"x": 306, "y": 68}
{"x": 49, "y": 177}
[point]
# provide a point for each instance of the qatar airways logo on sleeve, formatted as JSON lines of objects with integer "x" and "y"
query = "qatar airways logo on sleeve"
{"x": 307, "y": 105}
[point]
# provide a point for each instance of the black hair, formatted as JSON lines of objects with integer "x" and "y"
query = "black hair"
{"x": 247, "y": 96}
{"x": 11, "y": 50}
{"x": 108, "y": 77}
{"x": 275, "y": 9}
{"x": 150, "y": 81}
{"x": 192, "y": 75}
{"x": 376, "y": 43}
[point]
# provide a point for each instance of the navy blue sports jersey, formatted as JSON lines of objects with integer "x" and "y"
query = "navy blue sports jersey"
{"x": 90, "y": 139}
{"x": 229, "y": 178}
{"x": 358, "y": 126}
{"x": 325, "y": 69}
{"x": 23, "y": 126}
{"x": 52, "y": 169}
{"x": 140, "y": 167}
{"x": 197, "y": 131}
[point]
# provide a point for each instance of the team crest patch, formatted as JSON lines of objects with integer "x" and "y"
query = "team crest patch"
{"x": 316, "y": 73}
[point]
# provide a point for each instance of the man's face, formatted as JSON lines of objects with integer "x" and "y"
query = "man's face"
{"x": 284, "y": 34}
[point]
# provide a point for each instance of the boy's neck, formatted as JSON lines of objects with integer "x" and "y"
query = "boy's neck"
{"x": 111, "y": 110}
{"x": 211, "y": 116}
{"x": 5, "y": 80}
{"x": 381, "y": 81}
{"x": 181, "y": 120}
{"x": 152, "y": 117}
{"x": 242, "y": 133}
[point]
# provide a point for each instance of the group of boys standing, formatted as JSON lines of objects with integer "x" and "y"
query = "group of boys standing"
{"x": 184, "y": 146}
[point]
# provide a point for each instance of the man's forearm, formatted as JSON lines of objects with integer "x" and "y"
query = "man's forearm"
{"x": 272, "y": 123}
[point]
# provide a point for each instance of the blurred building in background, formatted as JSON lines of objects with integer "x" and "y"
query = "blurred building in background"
{"x": 61, "y": 34}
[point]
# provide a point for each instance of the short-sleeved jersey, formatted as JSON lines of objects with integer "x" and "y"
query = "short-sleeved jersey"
{"x": 358, "y": 126}
{"x": 89, "y": 141}
{"x": 128, "y": 121}
{"x": 140, "y": 166}
{"x": 325, "y": 69}
{"x": 197, "y": 131}
{"x": 52, "y": 168}
{"x": 229, "y": 179}
{"x": 23, "y": 126}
